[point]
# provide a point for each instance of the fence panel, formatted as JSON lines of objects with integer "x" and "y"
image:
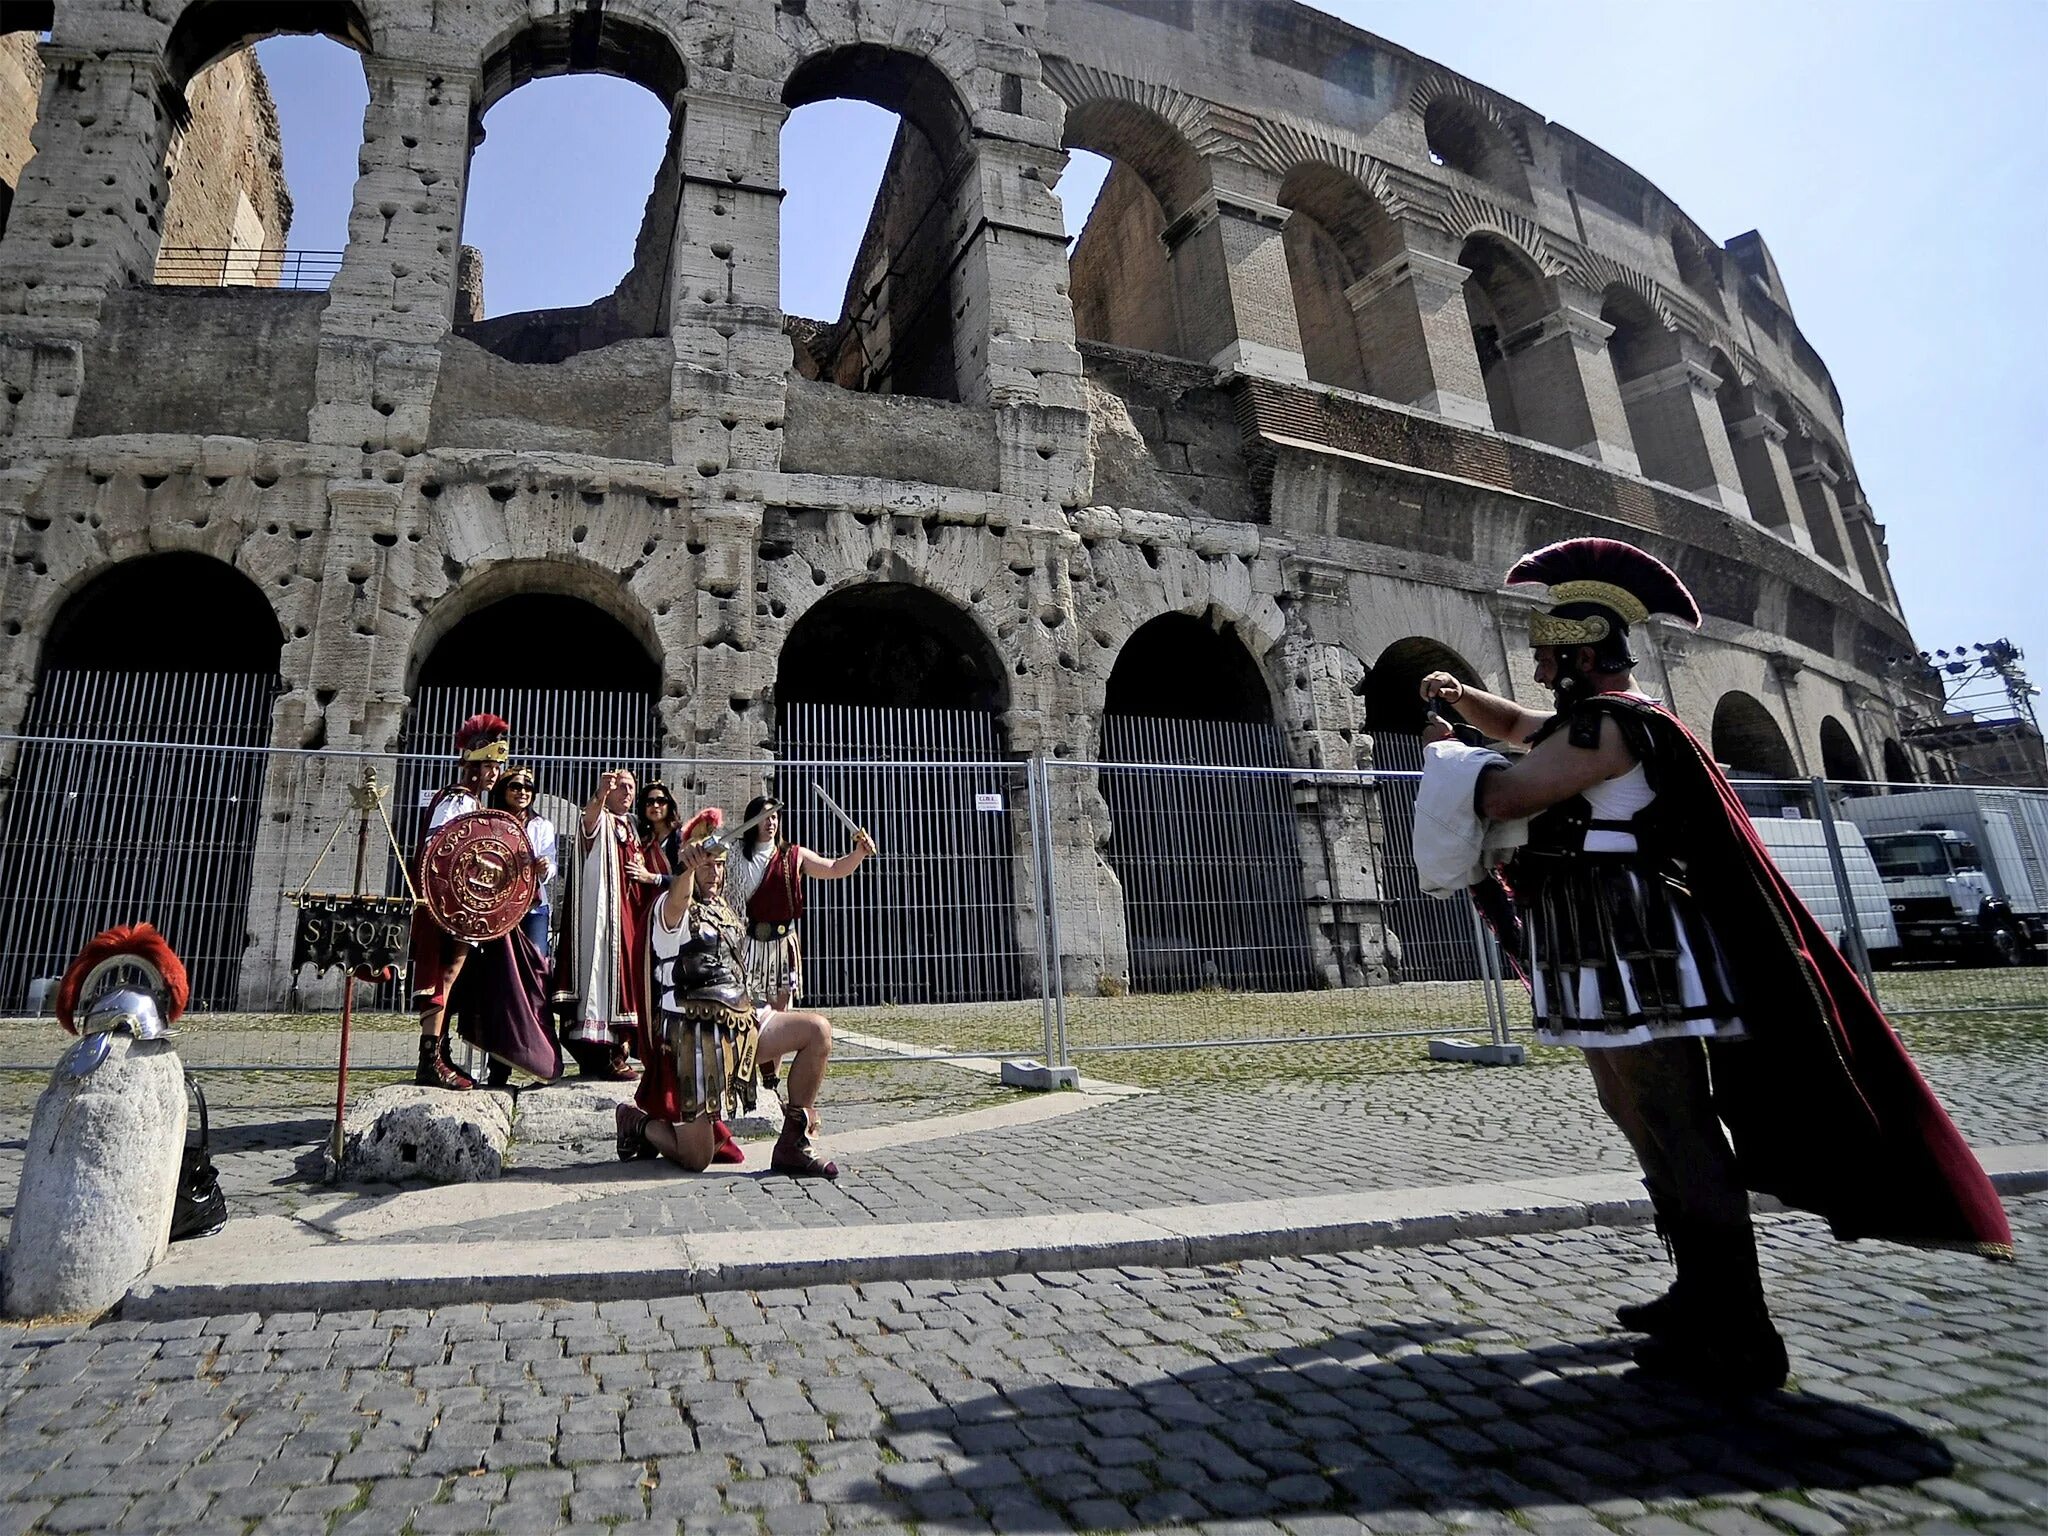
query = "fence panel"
{"x": 1210, "y": 867}
{"x": 933, "y": 918}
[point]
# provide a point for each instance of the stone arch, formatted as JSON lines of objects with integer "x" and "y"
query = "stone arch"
{"x": 207, "y": 31}
{"x": 1336, "y": 233}
{"x": 891, "y": 645}
{"x": 1214, "y": 899}
{"x": 1393, "y": 696}
{"x": 1185, "y": 666}
{"x": 1656, "y": 391}
{"x": 1121, "y": 272}
{"x": 560, "y": 580}
{"x": 585, "y": 41}
{"x": 898, "y": 330}
{"x": 1898, "y": 767}
{"x": 1508, "y": 298}
{"x": 185, "y": 814}
{"x": 1748, "y": 741}
{"x": 1464, "y": 137}
{"x": 612, "y": 40}
{"x": 1839, "y": 758}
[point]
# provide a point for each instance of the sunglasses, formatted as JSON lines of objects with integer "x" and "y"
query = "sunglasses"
{"x": 518, "y": 784}
{"x": 667, "y": 805}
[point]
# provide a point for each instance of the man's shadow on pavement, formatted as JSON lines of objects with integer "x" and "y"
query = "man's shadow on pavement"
{"x": 1464, "y": 1426}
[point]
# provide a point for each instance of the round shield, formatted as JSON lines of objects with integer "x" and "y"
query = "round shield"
{"x": 477, "y": 875}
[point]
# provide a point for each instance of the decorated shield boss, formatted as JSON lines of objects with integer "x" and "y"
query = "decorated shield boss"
{"x": 477, "y": 875}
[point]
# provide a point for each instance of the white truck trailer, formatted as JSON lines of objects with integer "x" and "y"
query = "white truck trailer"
{"x": 1965, "y": 871}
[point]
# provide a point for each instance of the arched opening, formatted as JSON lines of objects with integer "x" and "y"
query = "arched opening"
{"x": 1507, "y": 300}
{"x": 1122, "y": 272}
{"x": 579, "y": 686}
{"x": 1463, "y": 138}
{"x": 228, "y": 215}
{"x": 1748, "y": 742}
{"x": 1839, "y": 759}
{"x": 1898, "y": 767}
{"x": 887, "y": 696}
{"x": 1753, "y": 437}
{"x": 1655, "y": 398}
{"x": 1336, "y": 234}
{"x": 1816, "y": 472}
{"x": 545, "y": 239}
{"x": 1434, "y": 940}
{"x": 882, "y": 132}
{"x": 1209, "y": 863}
{"x": 137, "y": 797}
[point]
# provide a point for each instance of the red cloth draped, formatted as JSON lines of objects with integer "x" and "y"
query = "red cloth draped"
{"x": 500, "y": 1005}
{"x": 1826, "y": 1110}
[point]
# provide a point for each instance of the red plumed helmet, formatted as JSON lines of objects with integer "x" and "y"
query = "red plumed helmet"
{"x": 1625, "y": 580}
{"x": 703, "y": 824}
{"x": 483, "y": 738}
{"x": 138, "y": 946}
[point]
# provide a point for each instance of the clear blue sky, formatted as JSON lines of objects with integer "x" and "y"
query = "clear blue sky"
{"x": 1891, "y": 153}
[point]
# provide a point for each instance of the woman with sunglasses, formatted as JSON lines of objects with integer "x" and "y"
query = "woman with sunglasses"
{"x": 515, "y": 793}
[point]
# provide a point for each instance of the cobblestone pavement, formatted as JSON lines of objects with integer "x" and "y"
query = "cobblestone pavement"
{"x": 1474, "y": 1386}
{"x": 1209, "y": 1141}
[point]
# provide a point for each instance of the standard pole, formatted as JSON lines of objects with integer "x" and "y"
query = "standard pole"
{"x": 366, "y": 800}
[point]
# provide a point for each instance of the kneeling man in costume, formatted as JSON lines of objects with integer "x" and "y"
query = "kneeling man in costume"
{"x": 702, "y": 1034}
{"x": 1656, "y": 933}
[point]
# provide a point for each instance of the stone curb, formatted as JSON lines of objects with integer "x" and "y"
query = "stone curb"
{"x": 222, "y": 1276}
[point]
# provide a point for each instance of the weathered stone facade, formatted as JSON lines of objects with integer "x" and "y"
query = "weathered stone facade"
{"x": 1356, "y": 333}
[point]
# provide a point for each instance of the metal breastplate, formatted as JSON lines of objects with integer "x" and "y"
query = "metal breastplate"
{"x": 703, "y": 966}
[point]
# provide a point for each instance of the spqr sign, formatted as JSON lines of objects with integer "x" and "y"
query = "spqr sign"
{"x": 363, "y": 934}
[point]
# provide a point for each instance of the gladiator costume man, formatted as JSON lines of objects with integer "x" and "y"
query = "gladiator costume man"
{"x": 1655, "y": 932}
{"x": 482, "y": 745}
{"x": 701, "y": 1030}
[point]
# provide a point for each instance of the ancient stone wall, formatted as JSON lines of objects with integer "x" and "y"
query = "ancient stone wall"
{"x": 1287, "y": 188}
{"x": 226, "y": 166}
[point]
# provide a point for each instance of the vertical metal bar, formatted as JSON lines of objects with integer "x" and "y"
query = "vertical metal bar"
{"x": 1040, "y": 891}
{"x": 1052, "y": 920}
{"x": 1852, "y": 923}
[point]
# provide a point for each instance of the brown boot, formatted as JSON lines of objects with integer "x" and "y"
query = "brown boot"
{"x": 437, "y": 1071}
{"x": 1721, "y": 1339}
{"x": 794, "y": 1154}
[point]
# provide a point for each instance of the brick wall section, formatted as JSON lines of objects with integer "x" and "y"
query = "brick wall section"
{"x": 229, "y": 150}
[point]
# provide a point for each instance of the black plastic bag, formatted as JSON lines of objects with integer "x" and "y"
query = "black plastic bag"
{"x": 200, "y": 1209}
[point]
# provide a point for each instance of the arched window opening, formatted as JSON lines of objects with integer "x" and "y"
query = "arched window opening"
{"x": 21, "y": 80}
{"x": 1209, "y": 862}
{"x": 1696, "y": 268}
{"x": 1434, "y": 940}
{"x": 880, "y": 295}
{"x": 255, "y": 195}
{"x": 136, "y": 797}
{"x": 1752, "y": 746}
{"x": 1122, "y": 270}
{"x": 1336, "y": 235}
{"x": 1898, "y": 767}
{"x": 1839, "y": 759}
{"x": 1465, "y": 139}
{"x": 578, "y": 685}
{"x": 1658, "y": 404}
{"x": 575, "y": 177}
{"x": 1507, "y": 303}
{"x": 887, "y": 697}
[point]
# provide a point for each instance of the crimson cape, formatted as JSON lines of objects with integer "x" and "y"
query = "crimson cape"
{"x": 1826, "y": 1110}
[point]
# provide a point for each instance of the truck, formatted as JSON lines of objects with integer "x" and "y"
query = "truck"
{"x": 1798, "y": 846}
{"x": 1965, "y": 871}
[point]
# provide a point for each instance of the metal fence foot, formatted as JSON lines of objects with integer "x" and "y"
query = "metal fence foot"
{"x": 1478, "y": 1055}
{"x": 1038, "y": 1077}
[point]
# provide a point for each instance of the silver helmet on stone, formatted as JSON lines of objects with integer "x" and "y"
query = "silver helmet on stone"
{"x": 125, "y": 980}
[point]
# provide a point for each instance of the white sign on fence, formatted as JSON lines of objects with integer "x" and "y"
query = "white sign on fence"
{"x": 986, "y": 802}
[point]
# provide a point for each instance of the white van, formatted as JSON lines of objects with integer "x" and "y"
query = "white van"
{"x": 1799, "y": 847}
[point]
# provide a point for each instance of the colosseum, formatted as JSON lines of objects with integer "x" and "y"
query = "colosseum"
{"x": 1344, "y": 334}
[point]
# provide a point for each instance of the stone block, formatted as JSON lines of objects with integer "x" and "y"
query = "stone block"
{"x": 400, "y": 1134}
{"x": 98, "y": 1178}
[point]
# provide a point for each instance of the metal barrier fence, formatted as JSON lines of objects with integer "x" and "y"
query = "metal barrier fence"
{"x": 1016, "y": 908}
{"x": 191, "y": 266}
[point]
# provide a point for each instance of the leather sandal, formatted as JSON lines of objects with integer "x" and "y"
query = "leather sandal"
{"x": 633, "y": 1144}
{"x": 795, "y": 1154}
